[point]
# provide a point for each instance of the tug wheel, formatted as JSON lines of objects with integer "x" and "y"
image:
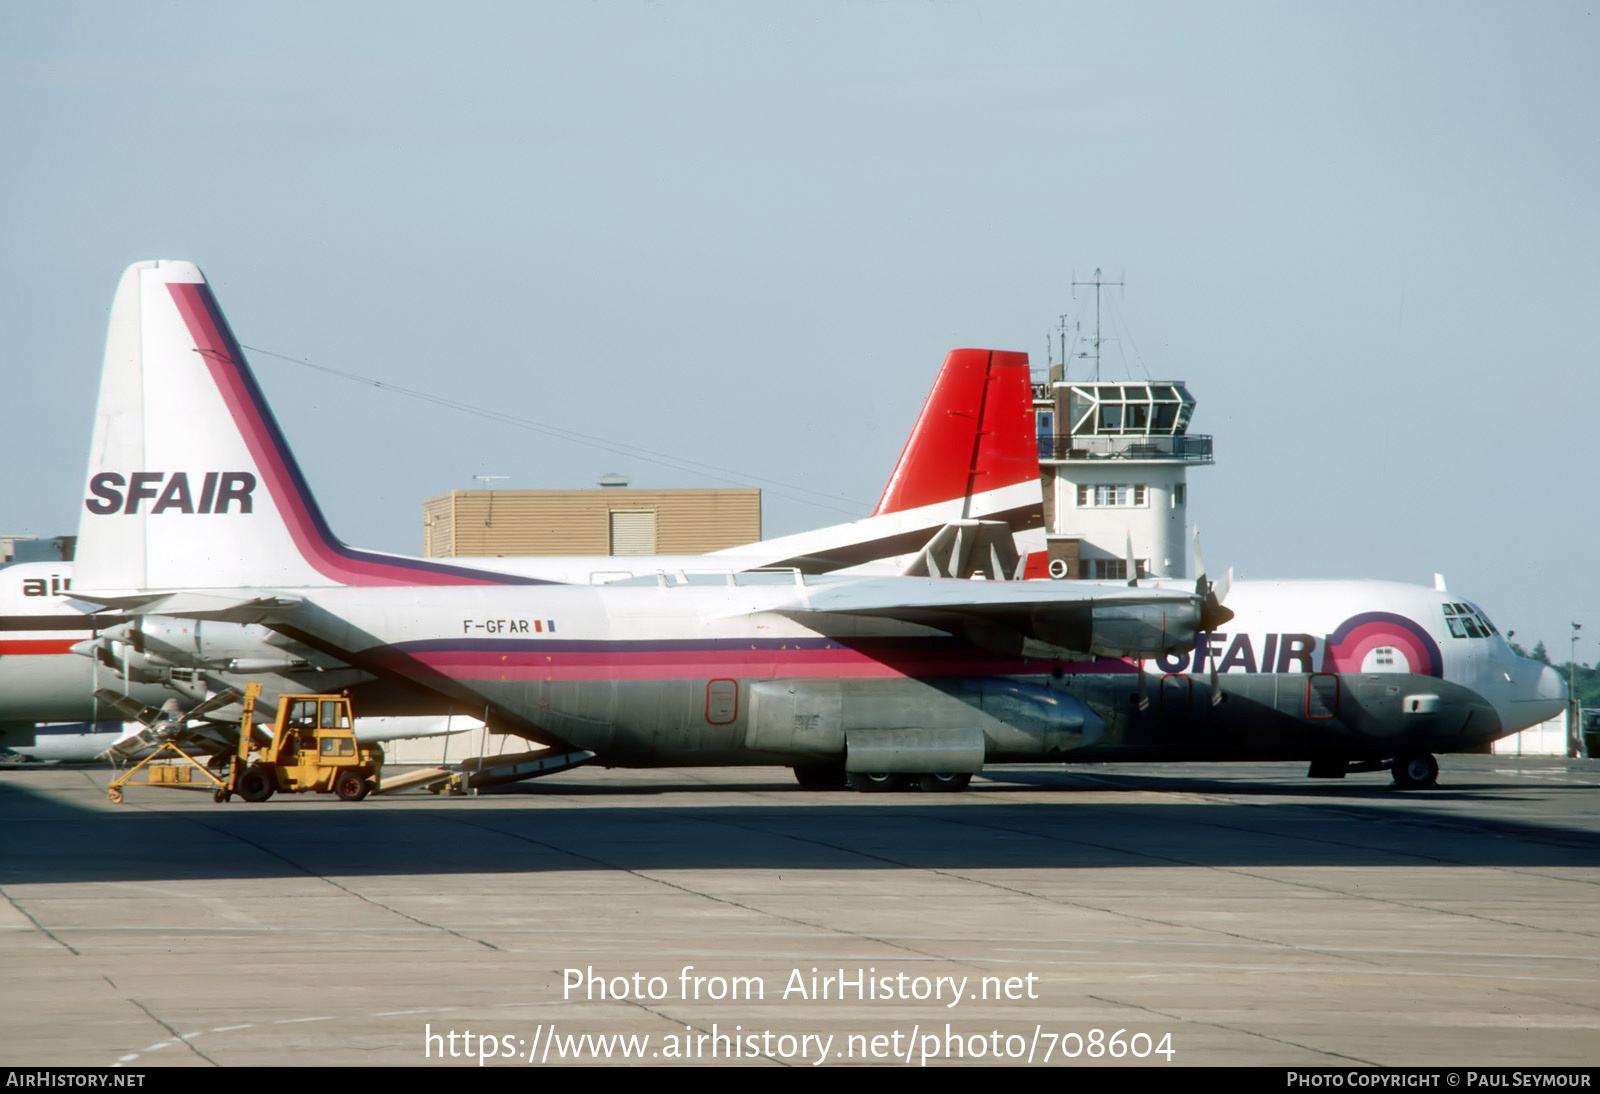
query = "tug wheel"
{"x": 352, "y": 786}
{"x": 255, "y": 785}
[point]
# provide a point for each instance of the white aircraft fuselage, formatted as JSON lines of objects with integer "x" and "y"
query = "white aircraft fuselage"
{"x": 669, "y": 673}
{"x": 194, "y": 508}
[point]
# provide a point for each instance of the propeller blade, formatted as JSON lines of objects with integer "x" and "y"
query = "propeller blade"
{"x": 216, "y": 702}
{"x": 1212, "y": 613}
{"x": 130, "y": 709}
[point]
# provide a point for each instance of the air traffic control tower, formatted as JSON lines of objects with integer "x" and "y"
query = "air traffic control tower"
{"x": 1113, "y": 456}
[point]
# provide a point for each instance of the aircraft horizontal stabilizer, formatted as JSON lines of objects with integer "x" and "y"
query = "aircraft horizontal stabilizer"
{"x": 243, "y": 607}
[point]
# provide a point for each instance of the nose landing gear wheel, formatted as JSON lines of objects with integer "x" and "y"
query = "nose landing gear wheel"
{"x": 1418, "y": 772}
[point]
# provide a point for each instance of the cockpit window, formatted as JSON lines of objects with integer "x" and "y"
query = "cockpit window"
{"x": 1483, "y": 618}
{"x": 1466, "y": 621}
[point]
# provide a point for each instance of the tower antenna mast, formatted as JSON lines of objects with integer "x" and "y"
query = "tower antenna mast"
{"x": 1097, "y": 283}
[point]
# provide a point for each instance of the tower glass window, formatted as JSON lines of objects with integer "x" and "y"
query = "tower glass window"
{"x": 1129, "y": 409}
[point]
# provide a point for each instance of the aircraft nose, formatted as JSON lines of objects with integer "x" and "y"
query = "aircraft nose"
{"x": 1540, "y": 696}
{"x": 1551, "y": 686}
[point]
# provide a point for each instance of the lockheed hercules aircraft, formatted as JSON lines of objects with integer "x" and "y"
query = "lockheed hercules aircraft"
{"x": 194, "y": 508}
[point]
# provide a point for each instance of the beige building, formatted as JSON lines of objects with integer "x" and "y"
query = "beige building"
{"x": 611, "y": 520}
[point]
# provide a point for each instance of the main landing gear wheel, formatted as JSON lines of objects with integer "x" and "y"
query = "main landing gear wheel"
{"x": 878, "y": 782}
{"x": 819, "y": 777}
{"x": 944, "y": 784}
{"x": 1418, "y": 772}
{"x": 255, "y": 785}
{"x": 352, "y": 786}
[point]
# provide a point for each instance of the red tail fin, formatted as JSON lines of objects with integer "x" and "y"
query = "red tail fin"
{"x": 955, "y": 453}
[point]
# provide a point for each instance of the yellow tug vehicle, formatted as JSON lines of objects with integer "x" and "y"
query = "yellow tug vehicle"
{"x": 313, "y": 748}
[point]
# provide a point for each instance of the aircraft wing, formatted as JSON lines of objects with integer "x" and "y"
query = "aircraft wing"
{"x": 1078, "y": 618}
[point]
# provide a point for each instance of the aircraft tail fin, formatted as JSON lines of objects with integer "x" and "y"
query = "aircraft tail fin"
{"x": 974, "y": 439}
{"x": 191, "y": 484}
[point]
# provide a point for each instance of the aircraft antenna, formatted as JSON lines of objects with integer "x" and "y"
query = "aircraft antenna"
{"x": 1097, "y": 282}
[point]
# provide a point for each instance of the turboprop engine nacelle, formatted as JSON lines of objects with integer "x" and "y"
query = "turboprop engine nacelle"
{"x": 205, "y": 644}
{"x": 1106, "y": 628}
{"x": 138, "y": 668}
{"x": 1143, "y": 630}
{"x": 123, "y": 659}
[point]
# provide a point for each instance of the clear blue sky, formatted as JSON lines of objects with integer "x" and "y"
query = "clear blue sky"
{"x": 1366, "y": 234}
